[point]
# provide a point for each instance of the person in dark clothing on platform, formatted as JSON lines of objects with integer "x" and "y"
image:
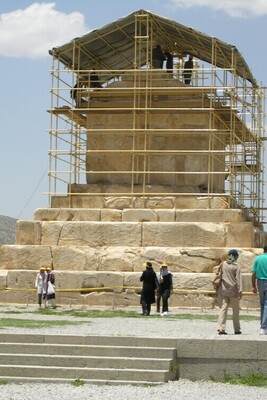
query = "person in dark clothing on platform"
{"x": 150, "y": 284}
{"x": 188, "y": 69}
{"x": 169, "y": 63}
{"x": 94, "y": 80}
{"x": 165, "y": 288}
{"x": 158, "y": 57}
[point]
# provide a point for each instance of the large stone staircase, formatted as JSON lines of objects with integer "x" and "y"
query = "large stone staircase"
{"x": 90, "y": 359}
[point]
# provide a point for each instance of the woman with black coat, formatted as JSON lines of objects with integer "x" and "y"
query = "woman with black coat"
{"x": 150, "y": 284}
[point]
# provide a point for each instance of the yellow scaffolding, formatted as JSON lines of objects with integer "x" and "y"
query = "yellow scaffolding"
{"x": 234, "y": 131}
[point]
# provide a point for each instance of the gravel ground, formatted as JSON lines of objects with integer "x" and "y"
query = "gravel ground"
{"x": 156, "y": 327}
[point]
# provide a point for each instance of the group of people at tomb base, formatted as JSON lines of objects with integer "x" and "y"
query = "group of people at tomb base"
{"x": 156, "y": 288}
{"x": 228, "y": 286}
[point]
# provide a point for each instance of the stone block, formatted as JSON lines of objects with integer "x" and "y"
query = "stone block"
{"x": 183, "y": 234}
{"x": 192, "y": 281}
{"x": 240, "y": 234}
{"x": 117, "y": 259}
{"x": 166, "y": 215}
{"x": 208, "y": 215}
{"x": 118, "y": 202}
{"x": 194, "y": 348}
{"x": 67, "y": 214}
{"x": 201, "y": 202}
{"x": 60, "y": 202}
{"x": 22, "y": 279}
{"x": 106, "y": 281}
{"x": 94, "y": 234}
{"x": 28, "y": 232}
{"x": 83, "y": 201}
{"x": 207, "y": 369}
{"x": 246, "y": 349}
{"x": 160, "y": 202}
{"x": 3, "y": 278}
{"x": 139, "y": 215}
{"x": 74, "y": 258}
{"x": 111, "y": 215}
{"x": 24, "y": 257}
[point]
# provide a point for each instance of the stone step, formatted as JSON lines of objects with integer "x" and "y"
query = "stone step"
{"x": 86, "y": 351}
{"x": 135, "y": 234}
{"x": 126, "y": 361}
{"x": 86, "y": 373}
{"x": 99, "y": 382}
{"x": 138, "y": 215}
{"x": 87, "y": 198}
{"x": 88, "y": 340}
{"x": 112, "y": 260}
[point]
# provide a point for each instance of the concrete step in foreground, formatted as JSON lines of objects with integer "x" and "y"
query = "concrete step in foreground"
{"x": 68, "y": 361}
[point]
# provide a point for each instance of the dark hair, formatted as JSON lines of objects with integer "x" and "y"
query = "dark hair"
{"x": 265, "y": 249}
{"x": 234, "y": 252}
{"x": 149, "y": 264}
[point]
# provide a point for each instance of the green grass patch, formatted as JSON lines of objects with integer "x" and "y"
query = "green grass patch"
{"x": 83, "y": 313}
{"x": 210, "y": 317}
{"x": 78, "y": 382}
{"x": 251, "y": 379}
{"x": 33, "y": 324}
{"x": 3, "y": 382}
{"x": 90, "y": 313}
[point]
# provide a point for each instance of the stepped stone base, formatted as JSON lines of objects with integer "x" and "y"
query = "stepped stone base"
{"x": 104, "y": 249}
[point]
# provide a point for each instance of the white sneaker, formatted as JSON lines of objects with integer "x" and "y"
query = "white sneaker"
{"x": 164, "y": 313}
{"x": 263, "y": 332}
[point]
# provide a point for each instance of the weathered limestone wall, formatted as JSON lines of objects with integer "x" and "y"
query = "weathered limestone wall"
{"x": 115, "y": 258}
{"x": 190, "y": 140}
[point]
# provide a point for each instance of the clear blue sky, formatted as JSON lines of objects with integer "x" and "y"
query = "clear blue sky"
{"x": 28, "y": 30}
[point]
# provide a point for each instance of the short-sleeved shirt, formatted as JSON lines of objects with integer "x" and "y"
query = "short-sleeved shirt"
{"x": 260, "y": 266}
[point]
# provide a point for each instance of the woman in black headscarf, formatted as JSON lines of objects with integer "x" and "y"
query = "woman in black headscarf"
{"x": 150, "y": 284}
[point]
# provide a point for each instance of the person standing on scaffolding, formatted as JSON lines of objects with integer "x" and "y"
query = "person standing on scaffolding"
{"x": 158, "y": 57}
{"x": 188, "y": 70}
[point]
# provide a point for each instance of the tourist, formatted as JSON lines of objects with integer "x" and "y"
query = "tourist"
{"x": 40, "y": 285}
{"x": 165, "y": 288}
{"x": 150, "y": 284}
{"x": 259, "y": 276}
{"x": 230, "y": 292}
{"x": 50, "y": 295}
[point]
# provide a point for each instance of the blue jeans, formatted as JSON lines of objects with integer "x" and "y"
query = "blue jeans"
{"x": 262, "y": 288}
